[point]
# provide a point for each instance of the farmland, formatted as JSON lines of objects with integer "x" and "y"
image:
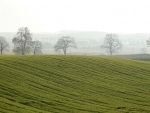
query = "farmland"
{"x": 73, "y": 84}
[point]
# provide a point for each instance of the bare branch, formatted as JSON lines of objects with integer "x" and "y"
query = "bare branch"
{"x": 21, "y": 41}
{"x": 148, "y": 42}
{"x": 36, "y": 47}
{"x": 65, "y": 42}
{"x": 3, "y": 45}
{"x": 112, "y": 44}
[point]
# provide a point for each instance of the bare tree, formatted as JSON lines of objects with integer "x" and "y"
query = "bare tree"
{"x": 36, "y": 47}
{"x": 29, "y": 47}
{"x": 21, "y": 41}
{"x": 3, "y": 44}
{"x": 148, "y": 42}
{"x": 112, "y": 44}
{"x": 65, "y": 42}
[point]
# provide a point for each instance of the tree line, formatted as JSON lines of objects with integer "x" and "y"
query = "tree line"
{"x": 23, "y": 43}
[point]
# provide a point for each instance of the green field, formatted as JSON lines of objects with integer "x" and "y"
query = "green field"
{"x": 73, "y": 84}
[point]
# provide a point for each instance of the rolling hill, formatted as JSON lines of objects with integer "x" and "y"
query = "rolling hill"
{"x": 73, "y": 84}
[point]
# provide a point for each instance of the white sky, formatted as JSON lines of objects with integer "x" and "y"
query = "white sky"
{"x": 117, "y": 16}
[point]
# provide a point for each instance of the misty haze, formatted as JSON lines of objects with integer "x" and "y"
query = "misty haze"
{"x": 74, "y": 56}
{"x": 88, "y": 42}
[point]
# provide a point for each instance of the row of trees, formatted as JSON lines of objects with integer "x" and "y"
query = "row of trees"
{"x": 111, "y": 44}
{"x": 23, "y": 43}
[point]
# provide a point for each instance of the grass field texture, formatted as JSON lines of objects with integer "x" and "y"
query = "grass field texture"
{"x": 73, "y": 84}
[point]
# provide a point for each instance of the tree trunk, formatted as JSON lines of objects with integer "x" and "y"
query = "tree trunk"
{"x": 22, "y": 51}
{"x": 34, "y": 50}
{"x": 111, "y": 53}
{"x": 1, "y": 50}
{"x": 24, "y": 47}
{"x": 64, "y": 51}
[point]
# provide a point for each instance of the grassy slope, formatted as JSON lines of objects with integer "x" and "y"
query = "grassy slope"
{"x": 79, "y": 84}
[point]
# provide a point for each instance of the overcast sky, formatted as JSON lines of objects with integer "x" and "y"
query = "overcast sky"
{"x": 116, "y": 16}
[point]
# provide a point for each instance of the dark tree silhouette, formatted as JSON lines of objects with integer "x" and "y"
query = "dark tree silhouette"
{"x": 112, "y": 44}
{"x": 22, "y": 41}
{"x": 3, "y": 44}
{"x": 148, "y": 42}
{"x": 65, "y": 42}
{"x": 36, "y": 47}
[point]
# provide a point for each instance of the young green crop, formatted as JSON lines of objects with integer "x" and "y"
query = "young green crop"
{"x": 77, "y": 84}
